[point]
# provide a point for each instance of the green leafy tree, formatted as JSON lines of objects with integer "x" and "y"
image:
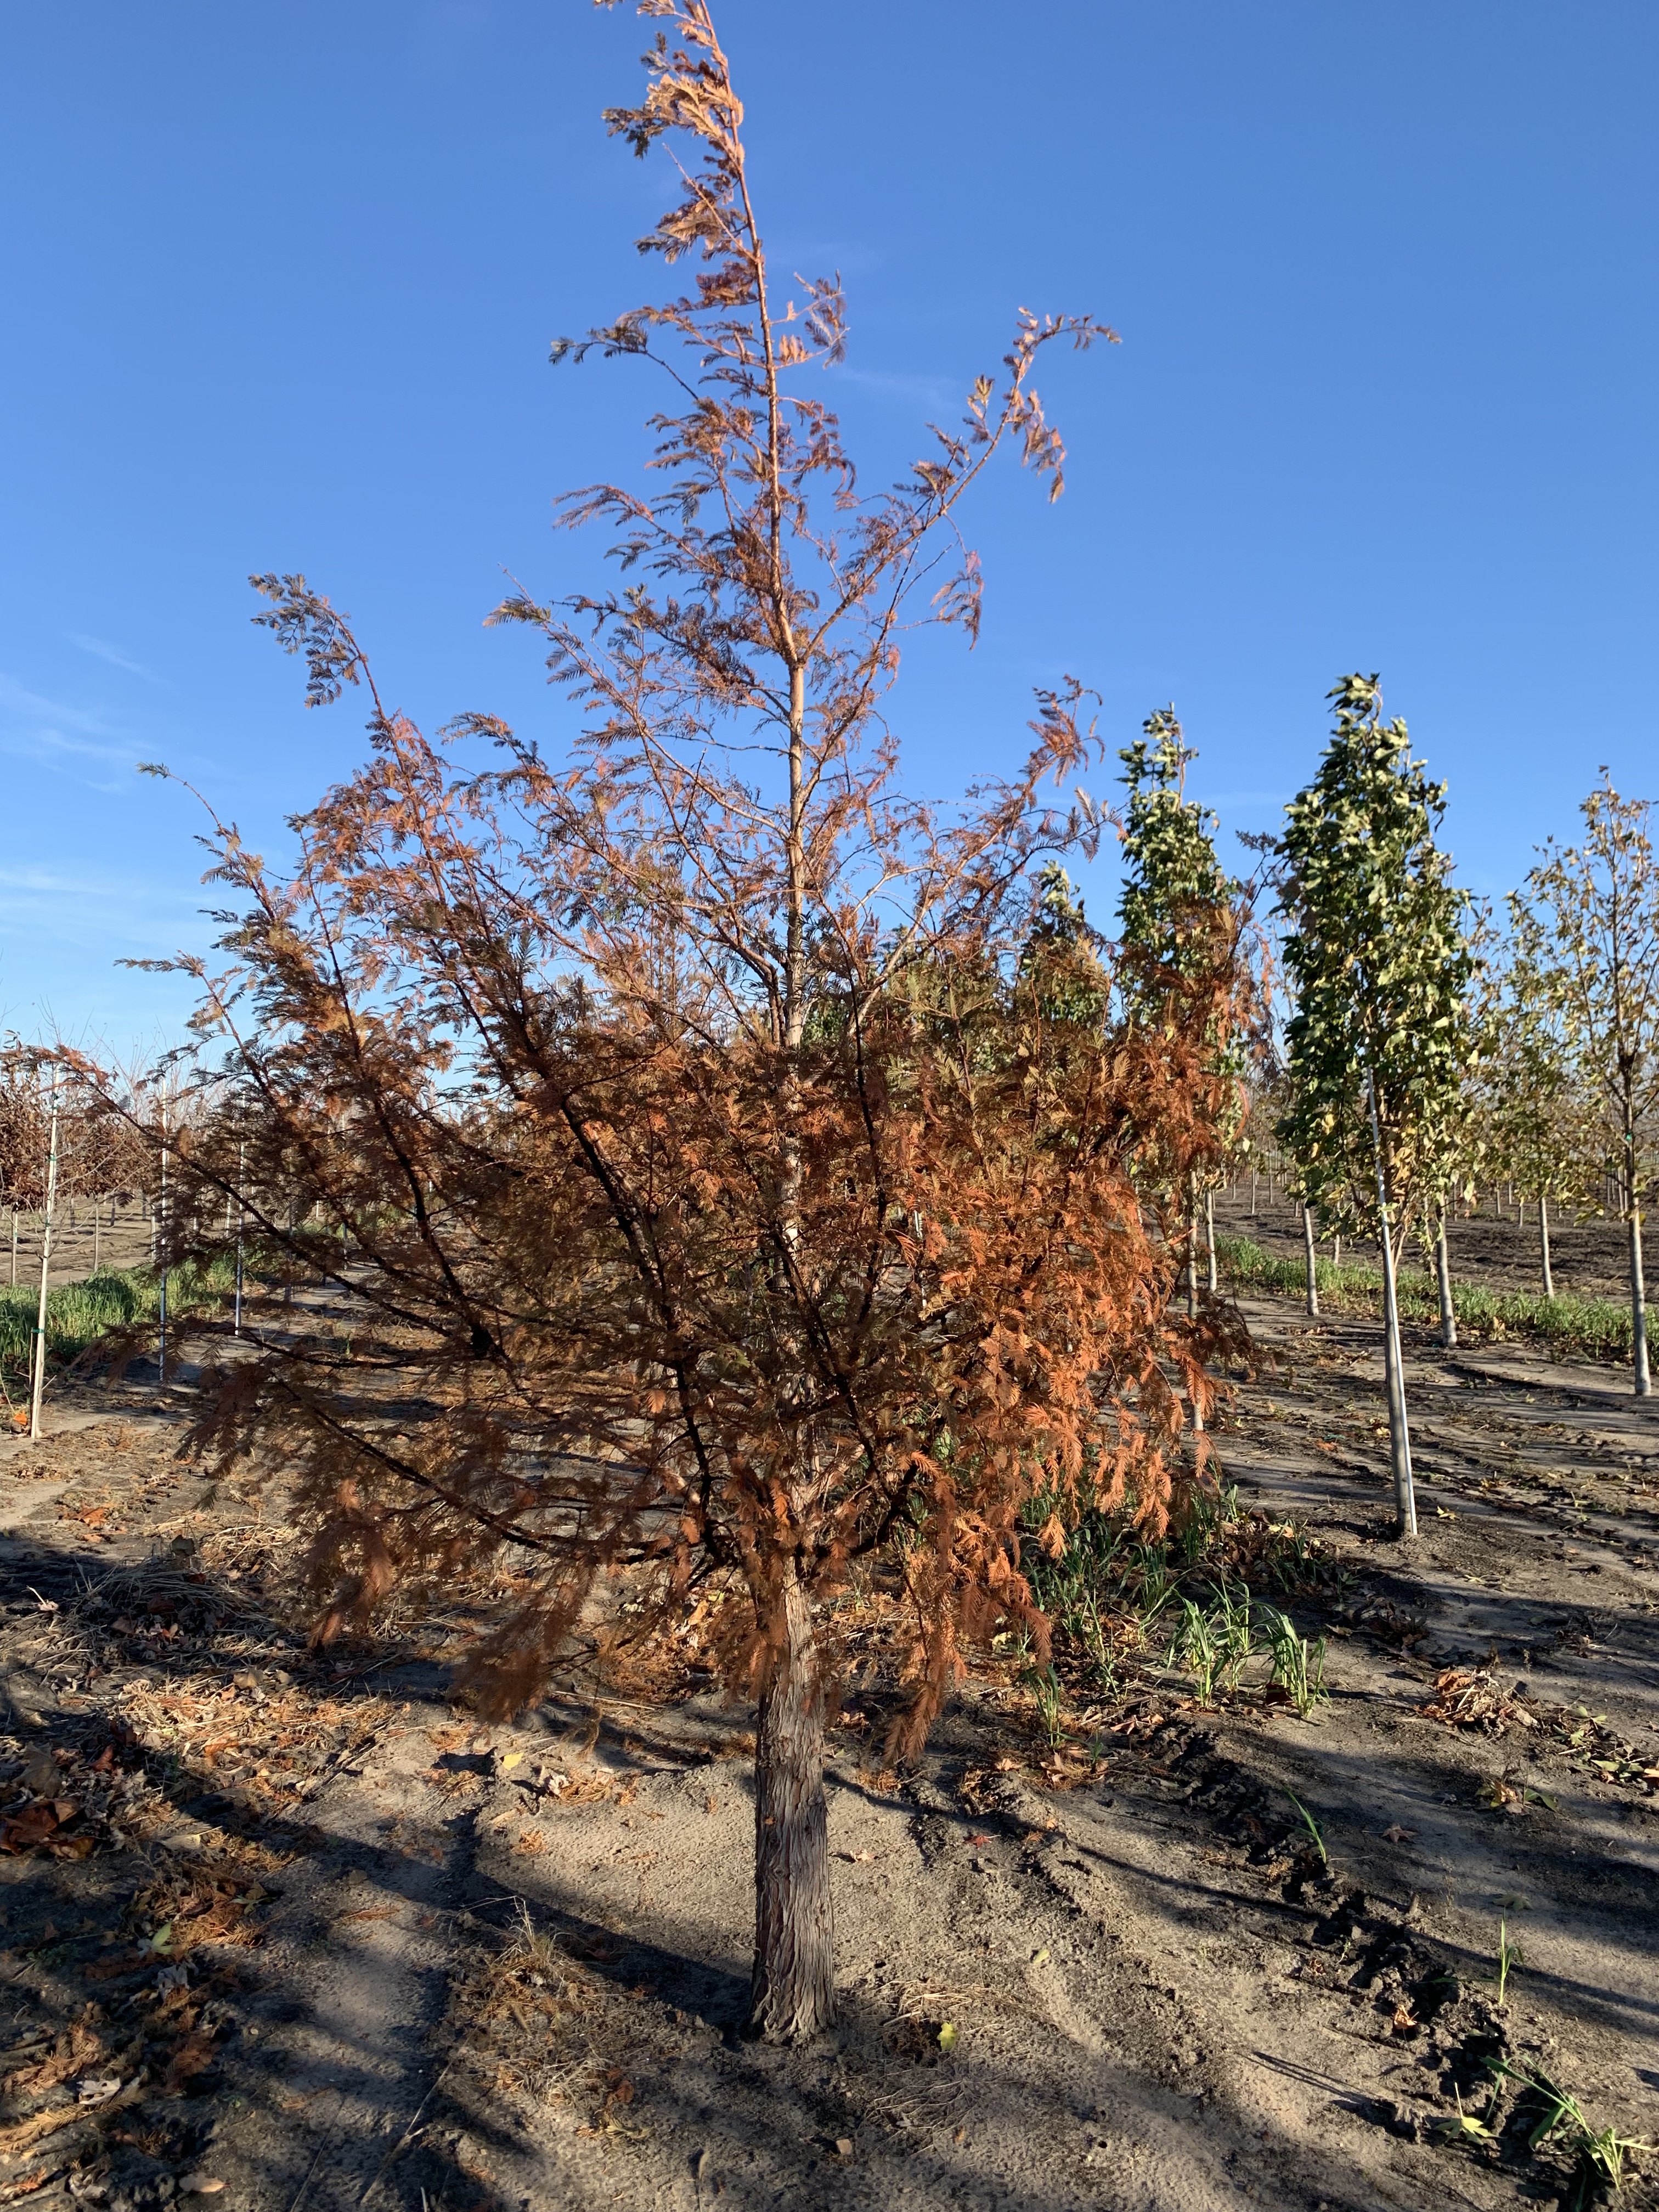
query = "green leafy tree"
{"x": 1379, "y": 961}
{"x": 1173, "y": 885}
{"x": 1590, "y": 915}
{"x": 1179, "y": 912}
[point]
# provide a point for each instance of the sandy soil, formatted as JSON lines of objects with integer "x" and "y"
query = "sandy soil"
{"x": 305, "y": 1930}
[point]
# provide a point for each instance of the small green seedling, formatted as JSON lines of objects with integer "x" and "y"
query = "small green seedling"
{"x": 1298, "y": 1666}
{"x": 1602, "y": 2156}
{"x": 1510, "y": 1956}
{"x": 1311, "y": 1826}
{"x": 1465, "y": 2126}
{"x": 1046, "y": 1689}
{"x": 1193, "y": 1645}
{"x": 1601, "y": 2152}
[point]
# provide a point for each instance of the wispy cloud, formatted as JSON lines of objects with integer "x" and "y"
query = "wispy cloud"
{"x": 72, "y": 740}
{"x": 935, "y": 395}
{"x": 45, "y": 910}
{"x": 116, "y": 658}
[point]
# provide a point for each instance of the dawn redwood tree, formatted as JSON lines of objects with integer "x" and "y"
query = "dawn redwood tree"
{"x": 1589, "y": 918}
{"x": 737, "y": 1169}
{"x": 1380, "y": 1040}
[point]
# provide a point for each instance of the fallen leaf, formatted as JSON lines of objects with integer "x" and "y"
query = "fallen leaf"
{"x": 29, "y": 1829}
{"x": 1399, "y": 1835}
{"x": 191, "y": 2056}
{"x": 26, "y": 2184}
{"x": 947, "y": 2039}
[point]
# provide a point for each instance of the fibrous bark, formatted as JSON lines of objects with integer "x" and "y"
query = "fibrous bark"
{"x": 793, "y": 1994}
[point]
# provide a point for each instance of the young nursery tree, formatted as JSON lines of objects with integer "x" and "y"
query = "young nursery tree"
{"x": 1181, "y": 916}
{"x": 1536, "y": 1129}
{"x": 728, "y": 1163}
{"x": 1589, "y": 918}
{"x": 1379, "y": 963}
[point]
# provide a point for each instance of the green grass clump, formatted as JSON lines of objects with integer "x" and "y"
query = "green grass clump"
{"x": 79, "y": 1314}
{"x": 1589, "y": 1329}
{"x": 1118, "y": 1599}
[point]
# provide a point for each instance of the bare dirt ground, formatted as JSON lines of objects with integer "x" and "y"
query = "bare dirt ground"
{"x": 294, "y": 1932}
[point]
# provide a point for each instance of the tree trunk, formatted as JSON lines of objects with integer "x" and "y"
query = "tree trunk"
{"x": 1192, "y": 1249}
{"x": 1400, "y": 1444}
{"x": 794, "y": 1983}
{"x": 1442, "y": 1277}
{"x": 1209, "y": 1236}
{"x": 1312, "y": 1260}
{"x": 1544, "y": 1242}
{"x": 1336, "y": 1251}
{"x": 38, "y": 1370}
{"x": 160, "y": 1224}
{"x": 1394, "y": 1376}
{"x": 1638, "y": 1305}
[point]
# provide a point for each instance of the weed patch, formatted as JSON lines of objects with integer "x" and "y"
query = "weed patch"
{"x": 81, "y": 1314}
{"x": 1582, "y": 1328}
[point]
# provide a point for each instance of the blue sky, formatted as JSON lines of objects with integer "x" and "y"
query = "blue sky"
{"x": 280, "y": 287}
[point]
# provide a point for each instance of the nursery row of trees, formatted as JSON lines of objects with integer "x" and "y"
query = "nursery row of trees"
{"x": 100, "y": 1151}
{"x": 1430, "y": 1050}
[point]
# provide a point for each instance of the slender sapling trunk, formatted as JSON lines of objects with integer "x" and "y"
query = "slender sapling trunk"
{"x": 241, "y": 1164}
{"x": 1400, "y": 1446}
{"x": 39, "y": 1378}
{"x": 1209, "y": 1237}
{"x": 1639, "y": 1306}
{"x": 1544, "y": 1242}
{"x": 1191, "y": 1272}
{"x": 794, "y": 1983}
{"x": 1312, "y": 1260}
{"x": 1442, "y": 1278}
{"x": 159, "y": 1227}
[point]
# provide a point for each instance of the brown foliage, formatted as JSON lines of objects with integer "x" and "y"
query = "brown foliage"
{"x": 101, "y": 1148}
{"x": 748, "y": 1186}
